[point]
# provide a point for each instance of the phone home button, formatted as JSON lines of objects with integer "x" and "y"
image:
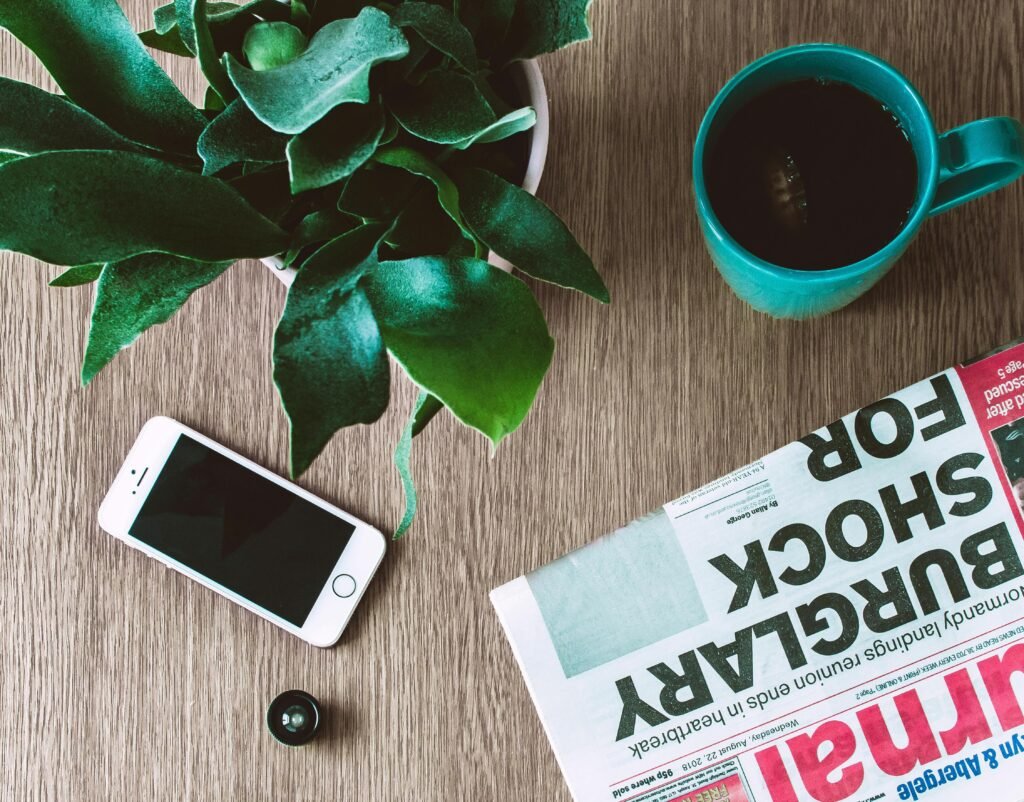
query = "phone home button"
{"x": 343, "y": 585}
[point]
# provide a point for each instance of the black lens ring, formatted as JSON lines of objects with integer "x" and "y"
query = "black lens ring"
{"x": 280, "y": 705}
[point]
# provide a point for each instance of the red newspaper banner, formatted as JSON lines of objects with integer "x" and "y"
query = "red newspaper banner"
{"x": 994, "y": 384}
{"x": 832, "y": 759}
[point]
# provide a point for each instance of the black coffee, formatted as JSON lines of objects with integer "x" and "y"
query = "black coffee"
{"x": 812, "y": 175}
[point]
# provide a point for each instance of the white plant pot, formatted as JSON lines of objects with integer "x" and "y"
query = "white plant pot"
{"x": 529, "y": 77}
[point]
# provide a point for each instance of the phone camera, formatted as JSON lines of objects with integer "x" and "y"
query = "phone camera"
{"x": 293, "y": 718}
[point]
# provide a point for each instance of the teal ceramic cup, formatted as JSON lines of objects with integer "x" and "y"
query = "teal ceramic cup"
{"x": 952, "y": 168}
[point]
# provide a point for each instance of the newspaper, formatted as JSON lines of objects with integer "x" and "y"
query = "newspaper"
{"x": 840, "y": 620}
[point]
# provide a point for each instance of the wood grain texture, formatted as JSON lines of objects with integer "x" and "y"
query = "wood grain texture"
{"x": 121, "y": 680}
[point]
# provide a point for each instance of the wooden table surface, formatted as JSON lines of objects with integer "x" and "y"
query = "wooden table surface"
{"x": 121, "y": 680}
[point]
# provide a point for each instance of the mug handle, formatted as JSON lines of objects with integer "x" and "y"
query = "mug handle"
{"x": 978, "y": 158}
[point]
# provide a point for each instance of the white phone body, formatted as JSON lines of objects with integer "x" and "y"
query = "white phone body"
{"x": 346, "y": 581}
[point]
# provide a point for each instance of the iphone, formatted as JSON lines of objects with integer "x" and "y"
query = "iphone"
{"x": 242, "y": 531}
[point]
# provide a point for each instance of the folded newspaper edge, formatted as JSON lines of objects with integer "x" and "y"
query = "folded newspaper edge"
{"x": 840, "y": 620}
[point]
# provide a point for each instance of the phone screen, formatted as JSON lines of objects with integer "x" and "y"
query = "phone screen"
{"x": 241, "y": 530}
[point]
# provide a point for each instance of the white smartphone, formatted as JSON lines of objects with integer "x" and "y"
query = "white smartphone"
{"x": 237, "y": 528}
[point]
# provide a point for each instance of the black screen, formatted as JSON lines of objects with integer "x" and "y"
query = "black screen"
{"x": 241, "y": 530}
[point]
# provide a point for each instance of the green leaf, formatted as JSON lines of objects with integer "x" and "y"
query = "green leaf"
{"x": 316, "y": 227}
{"x": 376, "y": 192}
{"x": 391, "y": 130}
{"x": 423, "y": 411}
{"x": 330, "y": 366}
{"x": 335, "y": 147}
{"x": 300, "y": 15}
{"x": 423, "y": 228}
{"x": 235, "y": 135}
{"x": 515, "y": 122}
{"x": 335, "y": 69}
{"x": 466, "y": 332}
{"x": 77, "y": 207}
{"x": 77, "y": 276}
{"x": 418, "y": 164}
{"x": 269, "y": 45}
{"x": 169, "y": 42}
{"x": 518, "y": 227}
{"x": 228, "y": 24}
{"x": 488, "y": 21}
{"x": 388, "y": 76}
{"x": 136, "y": 293}
{"x": 165, "y": 18}
{"x": 212, "y": 102}
{"x": 195, "y": 34}
{"x": 544, "y": 26}
{"x": 342, "y": 250}
{"x": 445, "y": 108}
{"x": 440, "y": 29}
{"x": 95, "y": 56}
{"x": 34, "y": 121}
{"x": 265, "y": 188}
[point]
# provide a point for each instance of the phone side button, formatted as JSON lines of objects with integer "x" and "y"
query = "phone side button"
{"x": 343, "y": 586}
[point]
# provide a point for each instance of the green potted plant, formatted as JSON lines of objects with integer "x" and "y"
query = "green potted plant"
{"x": 372, "y": 153}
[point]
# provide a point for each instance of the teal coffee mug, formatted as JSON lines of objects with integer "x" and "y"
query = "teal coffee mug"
{"x": 952, "y": 168}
